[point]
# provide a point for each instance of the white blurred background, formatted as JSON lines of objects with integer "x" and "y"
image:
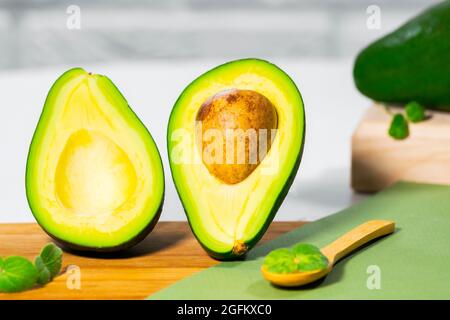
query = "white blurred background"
{"x": 153, "y": 49}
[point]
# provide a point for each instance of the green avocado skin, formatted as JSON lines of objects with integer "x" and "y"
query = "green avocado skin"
{"x": 410, "y": 64}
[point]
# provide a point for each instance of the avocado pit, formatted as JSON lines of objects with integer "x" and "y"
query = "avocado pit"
{"x": 237, "y": 130}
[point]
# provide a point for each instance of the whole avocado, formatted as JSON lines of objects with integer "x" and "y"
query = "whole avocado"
{"x": 410, "y": 64}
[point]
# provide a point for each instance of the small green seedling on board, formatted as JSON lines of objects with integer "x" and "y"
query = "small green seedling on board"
{"x": 302, "y": 257}
{"x": 48, "y": 263}
{"x": 18, "y": 273}
{"x": 399, "y": 129}
{"x": 415, "y": 112}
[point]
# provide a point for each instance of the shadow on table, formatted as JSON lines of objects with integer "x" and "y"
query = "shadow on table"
{"x": 164, "y": 236}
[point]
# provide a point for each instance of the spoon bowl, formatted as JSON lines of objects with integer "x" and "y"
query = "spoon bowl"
{"x": 335, "y": 251}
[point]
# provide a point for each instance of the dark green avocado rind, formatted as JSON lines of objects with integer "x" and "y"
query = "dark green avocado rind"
{"x": 141, "y": 234}
{"x": 411, "y": 63}
{"x": 230, "y": 255}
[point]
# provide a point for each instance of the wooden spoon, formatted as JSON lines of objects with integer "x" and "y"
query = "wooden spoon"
{"x": 334, "y": 252}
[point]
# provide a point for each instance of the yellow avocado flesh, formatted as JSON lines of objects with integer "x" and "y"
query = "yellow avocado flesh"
{"x": 223, "y": 216}
{"x": 94, "y": 175}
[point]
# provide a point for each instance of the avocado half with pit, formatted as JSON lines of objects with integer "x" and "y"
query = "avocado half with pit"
{"x": 94, "y": 177}
{"x": 235, "y": 140}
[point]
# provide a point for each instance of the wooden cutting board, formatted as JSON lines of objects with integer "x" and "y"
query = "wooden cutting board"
{"x": 379, "y": 161}
{"x": 170, "y": 253}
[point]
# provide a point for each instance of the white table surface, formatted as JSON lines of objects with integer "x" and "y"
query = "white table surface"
{"x": 333, "y": 109}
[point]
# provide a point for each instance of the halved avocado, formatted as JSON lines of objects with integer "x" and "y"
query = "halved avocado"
{"x": 230, "y": 205}
{"x": 94, "y": 176}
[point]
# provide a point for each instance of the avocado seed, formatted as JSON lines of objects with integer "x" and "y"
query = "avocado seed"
{"x": 237, "y": 130}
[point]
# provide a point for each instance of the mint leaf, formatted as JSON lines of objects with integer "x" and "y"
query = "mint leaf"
{"x": 399, "y": 127}
{"x": 302, "y": 257}
{"x": 16, "y": 274}
{"x": 415, "y": 112}
{"x": 305, "y": 248}
{"x": 280, "y": 261}
{"x": 44, "y": 275}
{"x": 48, "y": 263}
{"x": 309, "y": 257}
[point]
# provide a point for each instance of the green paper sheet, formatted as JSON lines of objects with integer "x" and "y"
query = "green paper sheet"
{"x": 412, "y": 263}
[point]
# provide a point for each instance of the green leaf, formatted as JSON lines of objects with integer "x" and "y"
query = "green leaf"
{"x": 302, "y": 257}
{"x": 48, "y": 263}
{"x": 309, "y": 257}
{"x": 44, "y": 275}
{"x": 399, "y": 127}
{"x": 415, "y": 112}
{"x": 305, "y": 249}
{"x": 16, "y": 274}
{"x": 280, "y": 261}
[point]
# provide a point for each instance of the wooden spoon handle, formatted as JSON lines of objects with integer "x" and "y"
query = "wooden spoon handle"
{"x": 356, "y": 238}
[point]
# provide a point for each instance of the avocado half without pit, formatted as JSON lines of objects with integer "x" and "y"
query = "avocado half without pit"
{"x": 235, "y": 140}
{"x": 94, "y": 177}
